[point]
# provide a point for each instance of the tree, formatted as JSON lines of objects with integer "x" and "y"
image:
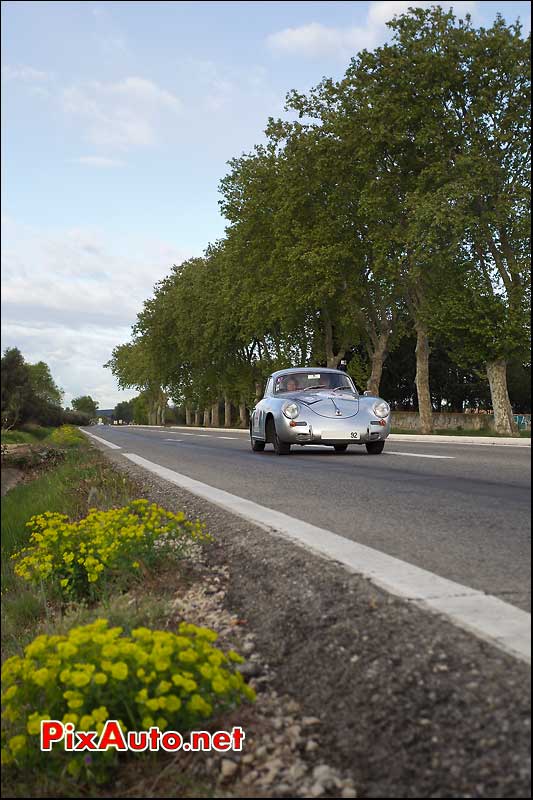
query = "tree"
{"x": 486, "y": 201}
{"x": 44, "y": 385}
{"x": 86, "y": 404}
{"x": 124, "y": 411}
{"x": 448, "y": 109}
{"x": 134, "y": 366}
{"x": 16, "y": 387}
{"x": 29, "y": 393}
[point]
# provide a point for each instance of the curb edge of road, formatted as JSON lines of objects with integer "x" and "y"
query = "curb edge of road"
{"x": 395, "y": 437}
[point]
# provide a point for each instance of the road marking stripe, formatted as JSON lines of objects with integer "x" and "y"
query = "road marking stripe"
{"x": 488, "y": 617}
{"x": 104, "y": 441}
{"x": 188, "y": 434}
{"x": 413, "y": 455}
{"x": 204, "y": 435}
{"x": 227, "y": 437}
{"x": 172, "y": 440}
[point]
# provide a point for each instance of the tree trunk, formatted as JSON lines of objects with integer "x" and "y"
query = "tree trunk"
{"x": 377, "y": 358}
{"x": 188, "y": 415}
{"x": 197, "y": 418}
{"x": 206, "y": 418}
{"x": 215, "y": 416}
{"x": 163, "y": 414}
{"x": 258, "y": 391}
{"x": 328, "y": 342}
{"x": 227, "y": 412}
{"x": 422, "y": 380}
{"x": 243, "y": 415}
{"x": 504, "y": 421}
{"x": 332, "y": 358}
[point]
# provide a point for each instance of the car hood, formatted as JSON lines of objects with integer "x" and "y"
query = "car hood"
{"x": 338, "y": 405}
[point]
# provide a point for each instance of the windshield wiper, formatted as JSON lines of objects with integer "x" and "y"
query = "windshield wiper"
{"x": 343, "y": 388}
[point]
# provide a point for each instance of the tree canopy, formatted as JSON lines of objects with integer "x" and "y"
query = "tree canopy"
{"x": 29, "y": 393}
{"x": 393, "y": 209}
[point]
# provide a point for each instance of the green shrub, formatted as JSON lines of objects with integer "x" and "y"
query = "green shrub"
{"x": 67, "y": 436}
{"x": 76, "y": 418}
{"x": 95, "y": 673}
{"x": 82, "y": 559}
{"x": 36, "y": 431}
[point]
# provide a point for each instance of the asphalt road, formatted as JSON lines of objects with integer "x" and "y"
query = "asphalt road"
{"x": 457, "y": 510}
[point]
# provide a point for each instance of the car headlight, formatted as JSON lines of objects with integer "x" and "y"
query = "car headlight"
{"x": 381, "y": 409}
{"x": 291, "y": 410}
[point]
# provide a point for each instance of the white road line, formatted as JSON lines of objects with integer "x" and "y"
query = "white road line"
{"x": 227, "y": 437}
{"x": 414, "y": 455}
{"x": 203, "y": 435}
{"x": 104, "y": 441}
{"x": 187, "y": 434}
{"x": 172, "y": 440}
{"x": 488, "y": 617}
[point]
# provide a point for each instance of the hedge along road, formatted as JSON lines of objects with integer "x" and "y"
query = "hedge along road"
{"x": 458, "y": 511}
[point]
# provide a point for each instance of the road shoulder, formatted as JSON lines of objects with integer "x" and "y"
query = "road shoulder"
{"x": 409, "y": 705}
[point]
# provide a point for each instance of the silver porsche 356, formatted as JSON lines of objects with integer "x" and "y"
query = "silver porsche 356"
{"x": 318, "y": 406}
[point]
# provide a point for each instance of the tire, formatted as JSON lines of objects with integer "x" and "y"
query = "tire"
{"x": 340, "y": 448}
{"x": 257, "y": 445}
{"x": 281, "y": 448}
{"x": 374, "y": 448}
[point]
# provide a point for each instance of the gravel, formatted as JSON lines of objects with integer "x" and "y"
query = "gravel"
{"x": 359, "y": 694}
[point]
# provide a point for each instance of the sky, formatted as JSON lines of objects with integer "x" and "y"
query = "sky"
{"x": 118, "y": 120}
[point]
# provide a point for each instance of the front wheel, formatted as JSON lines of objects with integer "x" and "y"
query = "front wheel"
{"x": 257, "y": 445}
{"x": 281, "y": 448}
{"x": 375, "y": 448}
{"x": 340, "y": 448}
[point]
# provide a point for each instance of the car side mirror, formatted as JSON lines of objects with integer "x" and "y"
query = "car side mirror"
{"x": 367, "y": 394}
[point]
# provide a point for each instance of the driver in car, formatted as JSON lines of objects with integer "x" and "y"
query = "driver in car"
{"x": 292, "y": 385}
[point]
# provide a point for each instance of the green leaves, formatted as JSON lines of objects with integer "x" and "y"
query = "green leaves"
{"x": 403, "y": 187}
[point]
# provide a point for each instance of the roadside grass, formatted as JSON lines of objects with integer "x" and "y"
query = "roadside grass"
{"x": 84, "y": 480}
{"x": 128, "y": 611}
{"x": 460, "y": 432}
{"x": 27, "y": 435}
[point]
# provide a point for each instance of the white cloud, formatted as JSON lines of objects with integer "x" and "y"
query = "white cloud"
{"x": 69, "y": 297}
{"x": 98, "y": 161}
{"x": 125, "y": 114}
{"x": 315, "y": 40}
{"x": 24, "y": 73}
{"x": 75, "y": 357}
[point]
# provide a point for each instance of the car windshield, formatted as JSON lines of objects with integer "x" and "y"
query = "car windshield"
{"x": 314, "y": 379}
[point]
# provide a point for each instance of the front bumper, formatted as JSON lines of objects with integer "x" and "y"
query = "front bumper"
{"x": 359, "y": 429}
